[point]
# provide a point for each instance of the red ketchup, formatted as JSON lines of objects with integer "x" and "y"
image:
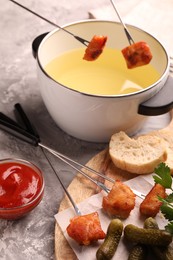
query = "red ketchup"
{"x": 19, "y": 185}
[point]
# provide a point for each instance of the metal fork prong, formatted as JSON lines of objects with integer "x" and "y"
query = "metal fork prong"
{"x": 129, "y": 37}
{"x": 171, "y": 63}
{"x": 76, "y": 163}
{"x": 99, "y": 184}
{"x": 83, "y": 41}
{"x": 66, "y": 191}
{"x": 171, "y": 66}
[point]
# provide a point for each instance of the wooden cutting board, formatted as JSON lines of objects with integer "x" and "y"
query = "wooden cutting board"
{"x": 81, "y": 188}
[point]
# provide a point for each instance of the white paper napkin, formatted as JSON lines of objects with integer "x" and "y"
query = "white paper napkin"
{"x": 93, "y": 203}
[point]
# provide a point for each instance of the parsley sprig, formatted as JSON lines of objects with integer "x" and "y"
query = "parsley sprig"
{"x": 164, "y": 178}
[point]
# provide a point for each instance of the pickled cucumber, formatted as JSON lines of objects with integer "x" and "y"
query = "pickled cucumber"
{"x": 162, "y": 253}
{"x": 138, "y": 252}
{"x": 150, "y": 223}
{"x": 150, "y": 236}
{"x": 107, "y": 250}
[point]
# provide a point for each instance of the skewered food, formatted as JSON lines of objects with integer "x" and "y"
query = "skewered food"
{"x": 150, "y": 206}
{"x": 85, "y": 229}
{"x": 137, "y": 54}
{"x": 95, "y": 47}
{"x": 120, "y": 200}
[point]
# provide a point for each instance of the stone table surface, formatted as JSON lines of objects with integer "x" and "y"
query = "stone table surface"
{"x": 33, "y": 236}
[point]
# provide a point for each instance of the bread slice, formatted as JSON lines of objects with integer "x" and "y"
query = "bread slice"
{"x": 139, "y": 156}
{"x": 167, "y": 136}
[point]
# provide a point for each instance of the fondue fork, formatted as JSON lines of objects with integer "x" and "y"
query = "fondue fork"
{"x": 30, "y": 135}
{"x": 31, "y": 129}
{"x": 171, "y": 65}
{"x": 78, "y": 213}
{"x": 129, "y": 37}
{"x": 83, "y": 41}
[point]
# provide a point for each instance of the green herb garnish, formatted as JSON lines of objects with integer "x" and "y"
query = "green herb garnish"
{"x": 167, "y": 209}
{"x": 169, "y": 227}
{"x": 164, "y": 178}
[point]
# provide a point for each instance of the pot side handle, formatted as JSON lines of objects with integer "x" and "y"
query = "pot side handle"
{"x": 36, "y": 43}
{"x": 160, "y": 103}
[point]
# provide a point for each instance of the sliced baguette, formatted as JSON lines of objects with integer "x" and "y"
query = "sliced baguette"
{"x": 167, "y": 136}
{"x": 139, "y": 156}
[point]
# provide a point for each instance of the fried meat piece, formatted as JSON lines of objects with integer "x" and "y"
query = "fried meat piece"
{"x": 150, "y": 206}
{"x": 85, "y": 229}
{"x": 95, "y": 48}
{"x": 119, "y": 201}
{"x": 137, "y": 54}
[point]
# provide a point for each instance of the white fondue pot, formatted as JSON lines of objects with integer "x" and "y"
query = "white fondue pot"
{"x": 94, "y": 117}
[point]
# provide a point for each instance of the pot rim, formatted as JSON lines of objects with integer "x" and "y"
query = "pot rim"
{"x": 163, "y": 76}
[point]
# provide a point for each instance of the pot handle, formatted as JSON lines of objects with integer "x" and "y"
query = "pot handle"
{"x": 36, "y": 43}
{"x": 160, "y": 103}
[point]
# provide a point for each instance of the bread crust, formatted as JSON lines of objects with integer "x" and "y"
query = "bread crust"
{"x": 138, "y": 156}
{"x": 167, "y": 137}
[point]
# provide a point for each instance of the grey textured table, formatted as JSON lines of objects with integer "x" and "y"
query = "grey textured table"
{"x": 33, "y": 236}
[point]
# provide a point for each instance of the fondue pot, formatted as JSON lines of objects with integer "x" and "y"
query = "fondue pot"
{"x": 96, "y": 117}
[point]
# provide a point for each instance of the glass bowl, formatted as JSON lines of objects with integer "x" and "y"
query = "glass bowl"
{"x": 21, "y": 188}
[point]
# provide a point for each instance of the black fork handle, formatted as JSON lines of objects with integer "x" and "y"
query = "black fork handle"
{"x": 19, "y": 132}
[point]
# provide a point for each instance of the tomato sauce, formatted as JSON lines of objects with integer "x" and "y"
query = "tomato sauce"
{"x": 19, "y": 184}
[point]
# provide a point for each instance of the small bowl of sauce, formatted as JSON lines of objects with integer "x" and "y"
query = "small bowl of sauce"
{"x": 21, "y": 188}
